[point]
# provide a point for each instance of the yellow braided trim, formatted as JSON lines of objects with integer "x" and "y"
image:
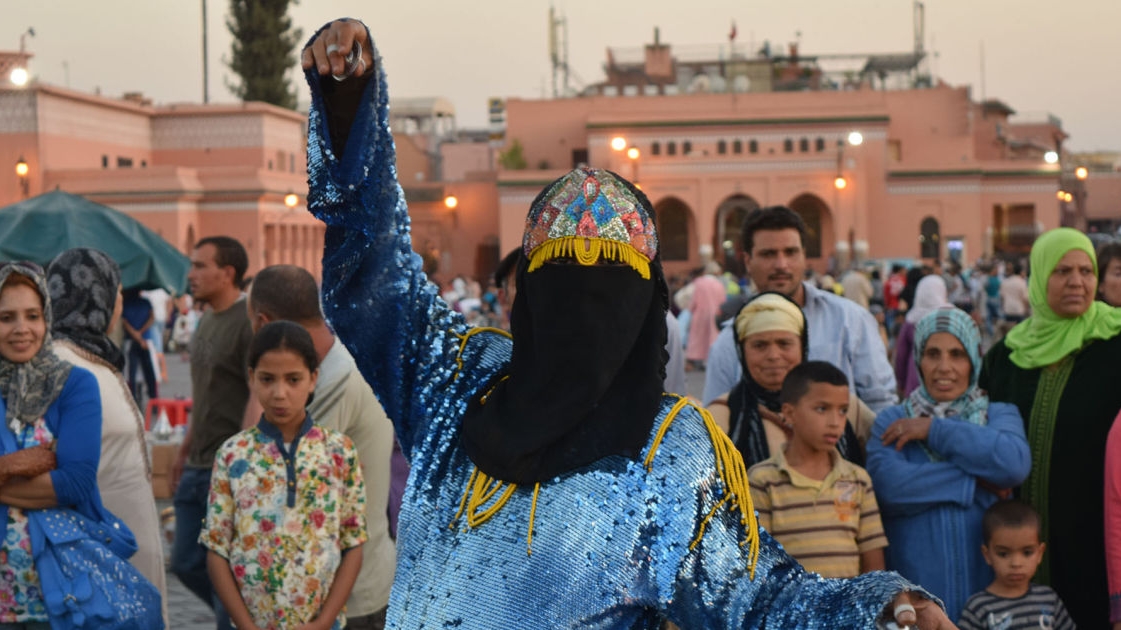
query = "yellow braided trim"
{"x": 732, "y": 472}
{"x": 463, "y": 343}
{"x": 573, "y": 247}
{"x": 532, "y": 512}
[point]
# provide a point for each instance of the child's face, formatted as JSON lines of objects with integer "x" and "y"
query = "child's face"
{"x": 819, "y": 416}
{"x": 1014, "y": 553}
{"x": 282, "y": 383}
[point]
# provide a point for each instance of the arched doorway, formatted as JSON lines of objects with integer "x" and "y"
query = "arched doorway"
{"x": 816, "y": 216}
{"x": 930, "y": 239}
{"x": 729, "y": 223}
{"x": 675, "y": 234}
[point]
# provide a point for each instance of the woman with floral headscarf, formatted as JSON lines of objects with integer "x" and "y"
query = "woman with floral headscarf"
{"x": 941, "y": 458}
{"x": 47, "y": 404}
{"x": 1062, "y": 368}
{"x": 85, "y": 291}
{"x": 930, "y": 295}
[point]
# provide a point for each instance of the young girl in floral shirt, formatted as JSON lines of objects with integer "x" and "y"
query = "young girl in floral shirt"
{"x": 286, "y": 501}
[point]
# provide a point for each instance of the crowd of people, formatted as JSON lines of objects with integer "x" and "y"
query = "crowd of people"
{"x": 902, "y": 446}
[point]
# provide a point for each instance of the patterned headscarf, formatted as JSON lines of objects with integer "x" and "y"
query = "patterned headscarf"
{"x": 30, "y": 387}
{"x": 83, "y": 284}
{"x": 973, "y": 405}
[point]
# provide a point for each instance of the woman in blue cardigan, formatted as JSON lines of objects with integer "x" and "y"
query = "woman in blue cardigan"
{"x": 52, "y": 412}
{"x": 941, "y": 458}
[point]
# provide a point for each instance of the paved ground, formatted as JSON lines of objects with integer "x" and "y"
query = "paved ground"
{"x": 186, "y": 611}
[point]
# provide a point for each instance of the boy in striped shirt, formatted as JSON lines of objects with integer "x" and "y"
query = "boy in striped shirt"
{"x": 817, "y": 504}
{"x": 1013, "y": 549}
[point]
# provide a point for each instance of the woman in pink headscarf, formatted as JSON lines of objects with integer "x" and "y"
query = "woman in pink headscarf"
{"x": 708, "y": 295}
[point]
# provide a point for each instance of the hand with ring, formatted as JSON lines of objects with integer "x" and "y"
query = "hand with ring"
{"x": 905, "y": 430}
{"x": 912, "y": 610}
{"x": 342, "y": 50}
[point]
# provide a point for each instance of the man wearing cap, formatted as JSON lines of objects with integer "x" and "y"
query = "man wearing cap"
{"x": 553, "y": 484}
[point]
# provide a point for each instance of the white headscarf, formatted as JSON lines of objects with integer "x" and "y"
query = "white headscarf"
{"x": 930, "y": 295}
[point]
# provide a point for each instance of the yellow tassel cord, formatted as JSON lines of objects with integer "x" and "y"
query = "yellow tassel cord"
{"x": 463, "y": 343}
{"x": 573, "y": 247}
{"x": 732, "y": 472}
{"x": 532, "y": 512}
{"x": 481, "y": 488}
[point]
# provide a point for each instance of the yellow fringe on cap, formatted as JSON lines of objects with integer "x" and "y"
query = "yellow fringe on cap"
{"x": 573, "y": 247}
{"x": 732, "y": 472}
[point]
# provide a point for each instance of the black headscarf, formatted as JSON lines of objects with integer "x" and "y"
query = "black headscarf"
{"x": 587, "y": 371}
{"x": 745, "y": 425}
{"x": 83, "y": 284}
{"x": 29, "y": 388}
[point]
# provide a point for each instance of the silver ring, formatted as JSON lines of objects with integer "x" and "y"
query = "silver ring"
{"x": 902, "y": 608}
{"x": 332, "y": 48}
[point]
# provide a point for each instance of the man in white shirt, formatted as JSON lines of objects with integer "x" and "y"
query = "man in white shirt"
{"x": 840, "y": 331}
{"x": 1014, "y": 304}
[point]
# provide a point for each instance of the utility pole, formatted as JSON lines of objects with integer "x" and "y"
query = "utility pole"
{"x": 205, "y": 67}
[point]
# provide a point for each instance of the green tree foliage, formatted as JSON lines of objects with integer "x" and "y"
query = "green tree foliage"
{"x": 263, "y": 51}
{"x": 513, "y": 158}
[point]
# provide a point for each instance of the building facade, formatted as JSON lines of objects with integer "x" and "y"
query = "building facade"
{"x": 936, "y": 175}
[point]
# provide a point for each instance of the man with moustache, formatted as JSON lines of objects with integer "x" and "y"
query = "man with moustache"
{"x": 842, "y": 332}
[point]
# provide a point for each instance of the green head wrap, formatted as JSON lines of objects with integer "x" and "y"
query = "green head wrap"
{"x": 1045, "y": 337}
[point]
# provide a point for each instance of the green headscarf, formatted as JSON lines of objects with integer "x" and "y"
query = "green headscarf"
{"x": 1045, "y": 338}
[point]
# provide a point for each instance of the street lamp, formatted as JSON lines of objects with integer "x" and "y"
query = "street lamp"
{"x": 1051, "y": 157}
{"x": 19, "y": 77}
{"x": 450, "y": 202}
{"x": 839, "y": 182}
{"x": 856, "y": 138}
{"x": 1081, "y": 172}
{"x": 619, "y": 143}
{"x": 22, "y": 169}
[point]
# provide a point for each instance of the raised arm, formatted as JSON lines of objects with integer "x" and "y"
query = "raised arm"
{"x": 375, "y": 294}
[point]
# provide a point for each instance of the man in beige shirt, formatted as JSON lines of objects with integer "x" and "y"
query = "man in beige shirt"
{"x": 342, "y": 401}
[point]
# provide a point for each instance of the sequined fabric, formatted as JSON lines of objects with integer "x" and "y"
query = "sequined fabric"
{"x": 611, "y": 542}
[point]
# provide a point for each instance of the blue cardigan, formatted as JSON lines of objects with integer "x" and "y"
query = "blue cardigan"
{"x": 75, "y": 420}
{"x": 932, "y": 510}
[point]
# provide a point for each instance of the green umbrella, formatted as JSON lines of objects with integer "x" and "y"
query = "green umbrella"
{"x": 40, "y": 228}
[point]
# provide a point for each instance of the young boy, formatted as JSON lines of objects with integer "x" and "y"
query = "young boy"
{"x": 1013, "y": 549}
{"x": 817, "y": 504}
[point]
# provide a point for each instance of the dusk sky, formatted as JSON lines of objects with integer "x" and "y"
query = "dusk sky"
{"x": 1041, "y": 56}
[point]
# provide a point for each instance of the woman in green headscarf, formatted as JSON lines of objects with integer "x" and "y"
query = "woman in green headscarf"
{"x": 1062, "y": 368}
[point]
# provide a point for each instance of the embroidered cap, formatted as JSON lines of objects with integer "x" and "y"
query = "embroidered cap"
{"x": 593, "y": 205}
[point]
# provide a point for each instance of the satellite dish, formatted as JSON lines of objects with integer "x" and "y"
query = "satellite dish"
{"x": 700, "y": 84}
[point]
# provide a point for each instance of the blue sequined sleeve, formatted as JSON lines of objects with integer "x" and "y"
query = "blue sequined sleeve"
{"x": 375, "y": 294}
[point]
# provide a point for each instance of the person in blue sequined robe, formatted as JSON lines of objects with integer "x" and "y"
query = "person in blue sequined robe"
{"x": 619, "y": 543}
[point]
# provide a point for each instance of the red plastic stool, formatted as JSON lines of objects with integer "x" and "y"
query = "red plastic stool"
{"x": 177, "y": 409}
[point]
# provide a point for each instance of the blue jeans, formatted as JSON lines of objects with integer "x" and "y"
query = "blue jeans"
{"x": 188, "y": 557}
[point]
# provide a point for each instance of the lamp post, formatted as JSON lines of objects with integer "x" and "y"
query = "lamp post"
{"x": 22, "y": 170}
{"x": 291, "y": 200}
{"x": 619, "y": 144}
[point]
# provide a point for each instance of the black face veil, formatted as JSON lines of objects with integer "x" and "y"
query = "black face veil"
{"x": 588, "y": 322}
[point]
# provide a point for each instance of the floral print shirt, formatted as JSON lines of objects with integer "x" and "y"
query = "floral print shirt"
{"x": 282, "y": 516}
{"x": 21, "y": 601}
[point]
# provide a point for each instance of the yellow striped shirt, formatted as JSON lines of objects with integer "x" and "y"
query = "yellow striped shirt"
{"x": 824, "y": 524}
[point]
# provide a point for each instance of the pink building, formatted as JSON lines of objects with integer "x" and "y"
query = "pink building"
{"x": 188, "y": 171}
{"x": 936, "y": 176}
